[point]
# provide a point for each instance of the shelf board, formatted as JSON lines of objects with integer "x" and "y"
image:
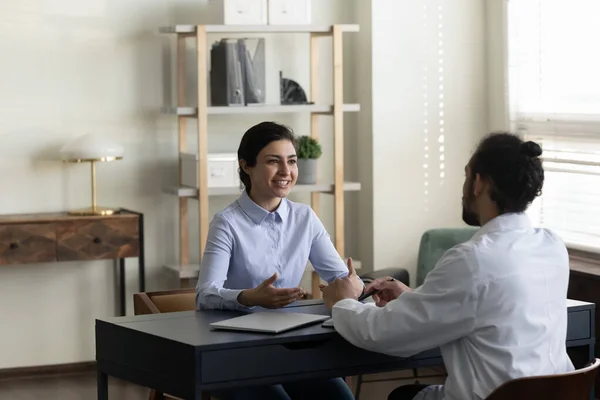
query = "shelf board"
{"x": 187, "y": 191}
{"x": 260, "y": 109}
{"x": 191, "y": 271}
{"x": 259, "y": 28}
{"x": 188, "y": 271}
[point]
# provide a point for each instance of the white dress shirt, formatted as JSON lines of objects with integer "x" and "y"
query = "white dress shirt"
{"x": 495, "y": 305}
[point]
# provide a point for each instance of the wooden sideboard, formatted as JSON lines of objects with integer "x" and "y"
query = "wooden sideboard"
{"x": 56, "y": 237}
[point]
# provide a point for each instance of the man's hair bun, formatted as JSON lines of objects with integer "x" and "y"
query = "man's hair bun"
{"x": 531, "y": 149}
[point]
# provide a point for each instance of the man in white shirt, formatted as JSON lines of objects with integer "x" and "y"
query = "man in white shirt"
{"x": 495, "y": 305}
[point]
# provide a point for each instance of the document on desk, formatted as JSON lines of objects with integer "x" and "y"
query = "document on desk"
{"x": 328, "y": 323}
{"x": 269, "y": 321}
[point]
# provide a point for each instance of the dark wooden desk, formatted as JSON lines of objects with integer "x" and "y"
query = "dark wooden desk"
{"x": 53, "y": 237}
{"x": 178, "y": 354}
{"x": 584, "y": 284}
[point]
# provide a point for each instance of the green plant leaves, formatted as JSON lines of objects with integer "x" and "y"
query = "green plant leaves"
{"x": 308, "y": 147}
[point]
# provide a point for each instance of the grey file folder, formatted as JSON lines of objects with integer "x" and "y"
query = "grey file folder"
{"x": 237, "y": 72}
{"x": 269, "y": 321}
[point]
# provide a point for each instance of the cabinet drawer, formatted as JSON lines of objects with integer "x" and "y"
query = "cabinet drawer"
{"x": 579, "y": 324}
{"x": 27, "y": 243}
{"x": 105, "y": 238}
{"x": 277, "y": 360}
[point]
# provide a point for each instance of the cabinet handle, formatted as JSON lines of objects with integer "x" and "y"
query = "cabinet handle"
{"x": 14, "y": 246}
{"x": 97, "y": 240}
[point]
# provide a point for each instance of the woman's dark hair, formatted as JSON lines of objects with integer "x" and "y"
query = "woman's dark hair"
{"x": 257, "y": 138}
{"x": 513, "y": 167}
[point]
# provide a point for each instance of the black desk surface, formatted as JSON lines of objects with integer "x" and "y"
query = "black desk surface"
{"x": 192, "y": 328}
{"x": 178, "y": 353}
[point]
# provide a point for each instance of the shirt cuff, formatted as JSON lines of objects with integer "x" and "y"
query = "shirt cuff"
{"x": 346, "y": 303}
{"x": 232, "y": 296}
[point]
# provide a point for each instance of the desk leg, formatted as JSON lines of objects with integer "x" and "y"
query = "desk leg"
{"x": 591, "y": 356}
{"x": 102, "y": 386}
{"x": 142, "y": 257}
{"x": 122, "y": 284}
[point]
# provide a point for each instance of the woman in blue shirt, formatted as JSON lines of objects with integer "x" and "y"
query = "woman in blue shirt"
{"x": 258, "y": 248}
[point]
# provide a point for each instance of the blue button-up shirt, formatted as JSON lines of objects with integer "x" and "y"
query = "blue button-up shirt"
{"x": 247, "y": 244}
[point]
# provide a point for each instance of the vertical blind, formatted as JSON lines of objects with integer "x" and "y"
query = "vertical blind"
{"x": 554, "y": 99}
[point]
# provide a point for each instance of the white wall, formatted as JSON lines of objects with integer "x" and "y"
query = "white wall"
{"x": 71, "y": 67}
{"x": 409, "y": 39}
{"x": 497, "y": 67}
{"x": 363, "y": 128}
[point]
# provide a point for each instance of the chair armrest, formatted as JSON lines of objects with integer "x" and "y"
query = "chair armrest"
{"x": 400, "y": 274}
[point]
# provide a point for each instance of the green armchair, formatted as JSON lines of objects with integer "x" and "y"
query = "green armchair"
{"x": 434, "y": 243}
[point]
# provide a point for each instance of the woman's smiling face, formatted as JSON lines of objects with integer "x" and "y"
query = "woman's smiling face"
{"x": 275, "y": 172}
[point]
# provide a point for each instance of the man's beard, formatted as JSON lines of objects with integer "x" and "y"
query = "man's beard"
{"x": 468, "y": 216}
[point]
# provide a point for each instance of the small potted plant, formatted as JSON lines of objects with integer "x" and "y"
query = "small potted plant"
{"x": 309, "y": 150}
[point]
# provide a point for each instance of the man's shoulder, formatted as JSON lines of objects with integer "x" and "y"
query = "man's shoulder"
{"x": 508, "y": 243}
{"x": 462, "y": 256}
{"x": 493, "y": 254}
{"x": 461, "y": 251}
{"x": 551, "y": 235}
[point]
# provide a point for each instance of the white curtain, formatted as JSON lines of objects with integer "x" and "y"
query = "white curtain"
{"x": 554, "y": 99}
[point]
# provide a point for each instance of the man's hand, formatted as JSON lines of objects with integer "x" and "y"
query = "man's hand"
{"x": 267, "y": 296}
{"x": 349, "y": 287}
{"x": 388, "y": 289}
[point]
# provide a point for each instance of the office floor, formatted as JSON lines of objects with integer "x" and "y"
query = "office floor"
{"x": 83, "y": 387}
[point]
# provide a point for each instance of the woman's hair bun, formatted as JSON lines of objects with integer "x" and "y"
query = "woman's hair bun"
{"x": 531, "y": 149}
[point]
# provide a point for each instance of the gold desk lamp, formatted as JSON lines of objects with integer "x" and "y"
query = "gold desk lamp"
{"x": 92, "y": 148}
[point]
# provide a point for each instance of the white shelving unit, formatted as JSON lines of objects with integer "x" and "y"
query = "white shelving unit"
{"x": 192, "y": 29}
{"x": 259, "y": 109}
{"x": 183, "y": 269}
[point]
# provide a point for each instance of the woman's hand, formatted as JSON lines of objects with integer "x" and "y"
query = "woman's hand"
{"x": 388, "y": 289}
{"x": 349, "y": 287}
{"x": 357, "y": 283}
{"x": 267, "y": 296}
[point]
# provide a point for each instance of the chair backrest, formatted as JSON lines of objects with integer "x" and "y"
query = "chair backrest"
{"x": 575, "y": 385}
{"x": 164, "y": 301}
{"x": 434, "y": 243}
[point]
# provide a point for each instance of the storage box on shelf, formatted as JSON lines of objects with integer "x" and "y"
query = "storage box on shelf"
{"x": 261, "y": 12}
{"x": 198, "y": 186}
{"x": 222, "y": 170}
{"x": 289, "y": 12}
{"x": 245, "y": 12}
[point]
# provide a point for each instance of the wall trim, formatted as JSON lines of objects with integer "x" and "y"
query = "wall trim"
{"x": 585, "y": 263}
{"x": 48, "y": 370}
{"x": 584, "y": 256}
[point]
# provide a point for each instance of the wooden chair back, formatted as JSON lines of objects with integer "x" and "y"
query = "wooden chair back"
{"x": 165, "y": 302}
{"x": 575, "y": 385}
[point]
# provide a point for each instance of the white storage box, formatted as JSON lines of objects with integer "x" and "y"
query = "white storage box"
{"x": 222, "y": 170}
{"x": 245, "y": 12}
{"x": 290, "y": 12}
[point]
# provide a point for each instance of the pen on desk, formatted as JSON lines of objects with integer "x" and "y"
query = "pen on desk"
{"x": 371, "y": 292}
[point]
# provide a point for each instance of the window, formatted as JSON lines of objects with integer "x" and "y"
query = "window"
{"x": 554, "y": 97}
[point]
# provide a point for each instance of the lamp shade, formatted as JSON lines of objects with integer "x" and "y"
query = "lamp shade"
{"x": 92, "y": 147}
